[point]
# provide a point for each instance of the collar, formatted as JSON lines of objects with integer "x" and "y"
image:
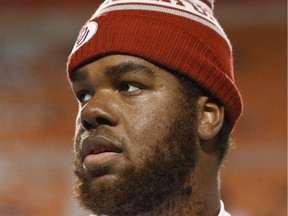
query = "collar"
{"x": 222, "y": 210}
{"x": 221, "y": 213}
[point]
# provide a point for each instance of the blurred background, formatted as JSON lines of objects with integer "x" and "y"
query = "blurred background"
{"x": 38, "y": 108}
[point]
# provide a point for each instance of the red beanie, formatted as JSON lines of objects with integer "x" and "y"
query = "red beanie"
{"x": 181, "y": 35}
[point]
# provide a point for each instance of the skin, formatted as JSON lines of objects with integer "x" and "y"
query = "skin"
{"x": 153, "y": 128}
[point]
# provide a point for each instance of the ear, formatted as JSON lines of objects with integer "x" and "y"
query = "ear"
{"x": 210, "y": 118}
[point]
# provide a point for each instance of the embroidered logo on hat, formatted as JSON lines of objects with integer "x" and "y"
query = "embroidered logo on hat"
{"x": 87, "y": 32}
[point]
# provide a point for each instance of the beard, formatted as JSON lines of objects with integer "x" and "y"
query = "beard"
{"x": 166, "y": 165}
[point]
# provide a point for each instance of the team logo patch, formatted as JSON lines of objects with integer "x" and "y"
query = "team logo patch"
{"x": 87, "y": 32}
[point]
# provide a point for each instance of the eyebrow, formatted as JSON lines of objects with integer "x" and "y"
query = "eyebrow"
{"x": 77, "y": 76}
{"x": 126, "y": 67}
{"x": 116, "y": 70}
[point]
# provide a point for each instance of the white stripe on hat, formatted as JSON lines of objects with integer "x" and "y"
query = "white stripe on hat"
{"x": 190, "y": 11}
{"x": 204, "y": 4}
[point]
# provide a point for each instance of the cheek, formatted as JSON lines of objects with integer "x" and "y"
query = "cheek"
{"x": 154, "y": 114}
{"x": 147, "y": 125}
{"x": 149, "y": 118}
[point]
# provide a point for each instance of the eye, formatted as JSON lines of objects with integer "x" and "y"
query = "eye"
{"x": 129, "y": 87}
{"x": 84, "y": 96}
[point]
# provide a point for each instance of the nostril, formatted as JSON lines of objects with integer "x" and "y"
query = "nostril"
{"x": 103, "y": 121}
{"x": 86, "y": 125}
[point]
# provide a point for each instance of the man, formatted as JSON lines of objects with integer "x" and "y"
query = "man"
{"x": 157, "y": 103}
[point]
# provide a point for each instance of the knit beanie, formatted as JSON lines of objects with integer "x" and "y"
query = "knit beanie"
{"x": 182, "y": 35}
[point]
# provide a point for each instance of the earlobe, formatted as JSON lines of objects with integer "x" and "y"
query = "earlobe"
{"x": 210, "y": 118}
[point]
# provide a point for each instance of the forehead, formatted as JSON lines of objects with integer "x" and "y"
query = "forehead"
{"x": 116, "y": 65}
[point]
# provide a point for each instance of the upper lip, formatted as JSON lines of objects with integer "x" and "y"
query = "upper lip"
{"x": 98, "y": 144}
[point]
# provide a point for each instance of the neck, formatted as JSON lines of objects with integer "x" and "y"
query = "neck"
{"x": 197, "y": 197}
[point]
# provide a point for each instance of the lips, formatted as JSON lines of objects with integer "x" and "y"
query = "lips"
{"x": 98, "y": 152}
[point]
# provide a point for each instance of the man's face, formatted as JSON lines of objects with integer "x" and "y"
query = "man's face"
{"x": 135, "y": 141}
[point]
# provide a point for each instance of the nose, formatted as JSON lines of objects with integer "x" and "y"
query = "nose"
{"x": 97, "y": 112}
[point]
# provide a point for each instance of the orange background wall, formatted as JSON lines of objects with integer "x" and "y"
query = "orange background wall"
{"x": 38, "y": 108}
